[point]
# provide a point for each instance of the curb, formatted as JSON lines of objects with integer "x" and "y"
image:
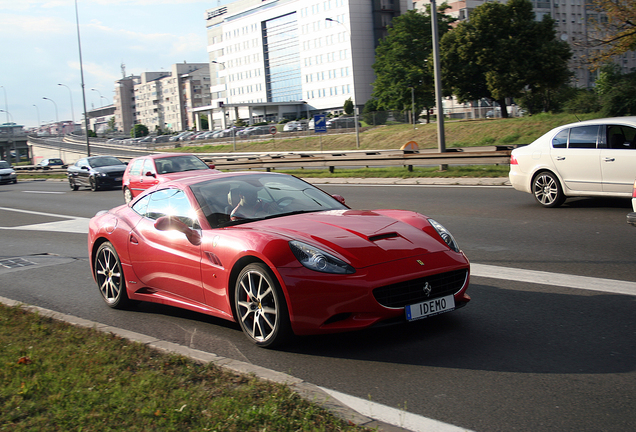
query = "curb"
{"x": 430, "y": 181}
{"x": 307, "y": 391}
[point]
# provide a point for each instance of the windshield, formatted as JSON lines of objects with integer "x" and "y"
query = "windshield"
{"x": 232, "y": 200}
{"x": 104, "y": 161}
{"x": 4, "y": 164}
{"x": 179, "y": 164}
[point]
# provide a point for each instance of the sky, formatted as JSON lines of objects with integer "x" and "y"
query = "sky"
{"x": 39, "y": 50}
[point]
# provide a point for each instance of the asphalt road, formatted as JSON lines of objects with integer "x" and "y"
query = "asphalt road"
{"x": 521, "y": 356}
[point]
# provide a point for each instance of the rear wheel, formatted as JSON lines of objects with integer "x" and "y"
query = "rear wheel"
{"x": 110, "y": 277}
{"x": 260, "y": 307}
{"x": 547, "y": 189}
{"x": 72, "y": 184}
{"x": 127, "y": 195}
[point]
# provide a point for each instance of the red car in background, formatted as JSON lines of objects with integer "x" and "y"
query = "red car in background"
{"x": 146, "y": 171}
{"x": 300, "y": 263}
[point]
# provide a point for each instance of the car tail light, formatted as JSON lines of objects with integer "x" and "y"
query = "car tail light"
{"x": 634, "y": 192}
{"x": 513, "y": 160}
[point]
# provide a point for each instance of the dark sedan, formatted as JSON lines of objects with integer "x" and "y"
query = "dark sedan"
{"x": 96, "y": 172}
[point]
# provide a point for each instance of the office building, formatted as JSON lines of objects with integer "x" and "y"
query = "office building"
{"x": 271, "y": 59}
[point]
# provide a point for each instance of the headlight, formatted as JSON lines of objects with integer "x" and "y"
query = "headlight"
{"x": 444, "y": 234}
{"x": 319, "y": 260}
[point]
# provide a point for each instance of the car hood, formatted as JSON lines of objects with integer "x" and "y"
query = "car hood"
{"x": 110, "y": 169}
{"x": 364, "y": 238}
{"x": 5, "y": 171}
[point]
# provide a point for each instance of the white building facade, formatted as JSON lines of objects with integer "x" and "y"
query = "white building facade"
{"x": 271, "y": 59}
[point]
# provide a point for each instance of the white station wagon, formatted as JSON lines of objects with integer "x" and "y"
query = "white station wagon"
{"x": 588, "y": 158}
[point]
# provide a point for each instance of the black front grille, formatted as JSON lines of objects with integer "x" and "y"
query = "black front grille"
{"x": 412, "y": 292}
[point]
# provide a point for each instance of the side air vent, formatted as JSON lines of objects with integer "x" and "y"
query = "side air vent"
{"x": 382, "y": 236}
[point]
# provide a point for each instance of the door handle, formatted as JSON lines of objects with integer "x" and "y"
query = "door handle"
{"x": 610, "y": 159}
{"x": 560, "y": 158}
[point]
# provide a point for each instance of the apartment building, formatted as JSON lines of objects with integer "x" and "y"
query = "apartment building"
{"x": 162, "y": 100}
{"x": 571, "y": 18}
{"x": 290, "y": 58}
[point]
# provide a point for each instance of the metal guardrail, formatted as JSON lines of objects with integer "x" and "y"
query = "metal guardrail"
{"x": 329, "y": 159}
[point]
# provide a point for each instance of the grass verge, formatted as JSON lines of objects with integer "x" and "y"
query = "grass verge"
{"x": 58, "y": 377}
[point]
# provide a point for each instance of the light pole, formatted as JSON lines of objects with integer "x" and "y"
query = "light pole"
{"x": 100, "y": 95}
{"x": 57, "y": 121}
{"x": 37, "y": 110}
{"x": 441, "y": 140}
{"x": 79, "y": 48}
{"x": 353, "y": 78}
{"x": 11, "y": 141}
{"x": 72, "y": 112}
{"x": 6, "y": 107}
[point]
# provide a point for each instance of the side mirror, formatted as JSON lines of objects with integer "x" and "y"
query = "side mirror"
{"x": 150, "y": 174}
{"x": 339, "y": 198}
{"x": 84, "y": 167}
{"x": 167, "y": 223}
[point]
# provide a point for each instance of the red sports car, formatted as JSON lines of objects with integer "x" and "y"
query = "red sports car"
{"x": 146, "y": 171}
{"x": 275, "y": 254}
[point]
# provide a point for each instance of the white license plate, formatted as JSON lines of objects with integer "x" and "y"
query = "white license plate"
{"x": 430, "y": 308}
{"x": 117, "y": 178}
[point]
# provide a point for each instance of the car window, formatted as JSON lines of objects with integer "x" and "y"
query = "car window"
{"x": 81, "y": 163}
{"x": 561, "y": 139}
{"x": 171, "y": 202}
{"x": 149, "y": 167}
{"x": 105, "y": 161}
{"x": 135, "y": 169}
{"x": 4, "y": 164}
{"x": 621, "y": 137}
{"x": 583, "y": 137}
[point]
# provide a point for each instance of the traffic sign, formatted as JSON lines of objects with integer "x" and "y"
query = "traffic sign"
{"x": 320, "y": 123}
{"x": 272, "y": 130}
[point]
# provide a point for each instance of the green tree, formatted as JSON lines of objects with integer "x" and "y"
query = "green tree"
{"x": 617, "y": 92}
{"x": 502, "y": 52}
{"x": 615, "y": 23}
{"x": 111, "y": 124}
{"x": 139, "y": 130}
{"x": 402, "y": 61}
{"x": 348, "y": 107}
{"x": 374, "y": 114}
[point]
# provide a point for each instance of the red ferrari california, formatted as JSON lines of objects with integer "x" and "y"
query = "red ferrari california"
{"x": 275, "y": 254}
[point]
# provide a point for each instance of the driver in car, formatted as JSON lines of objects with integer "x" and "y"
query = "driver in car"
{"x": 249, "y": 206}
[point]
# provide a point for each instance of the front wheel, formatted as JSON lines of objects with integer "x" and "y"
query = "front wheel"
{"x": 260, "y": 307}
{"x": 547, "y": 190}
{"x": 110, "y": 277}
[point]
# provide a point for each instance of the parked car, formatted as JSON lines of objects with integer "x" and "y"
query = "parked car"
{"x": 161, "y": 139}
{"x": 7, "y": 173}
{"x": 146, "y": 171}
{"x": 305, "y": 264}
{"x": 589, "y": 158}
{"x": 51, "y": 163}
{"x": 294, "y": 126}
{"x": 96, "y": 172}
{"x": 177, "y": 136}
{"x": 631, "y": 217}
{"x": 342, "y": 122}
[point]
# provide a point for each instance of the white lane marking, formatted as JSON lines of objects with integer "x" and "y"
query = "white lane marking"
{"x": 554, "y": 279}
{"x": 80, "y": 225}
{"x": 43, "y": 192}
{"x": 73, "y": 224}
{"x": 396, "y": 417}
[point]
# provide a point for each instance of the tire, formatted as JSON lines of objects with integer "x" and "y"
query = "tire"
{"x": 109, "y": 276}
{"x": 260, "y": 307}
{"x": 127, "y": 195}
{"x": 72, "y": 184}
{"x": 94, "y": 184}
{"x": 547, "y": 189}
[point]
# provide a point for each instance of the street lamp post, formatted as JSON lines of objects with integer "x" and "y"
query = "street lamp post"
{"x": 11, "y": 141}
{"x": 57, "y": 122}
{"x": 100, "y": 95}
{"x": 353, "y": 76}
{"x": 79, "y": 48}
{"x": 37, "y": 111}
{"x": 72, "y": 111}
{"x": 6, "y": 107}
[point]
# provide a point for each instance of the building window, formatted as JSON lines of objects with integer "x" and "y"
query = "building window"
{"x": 281, "y": 52}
